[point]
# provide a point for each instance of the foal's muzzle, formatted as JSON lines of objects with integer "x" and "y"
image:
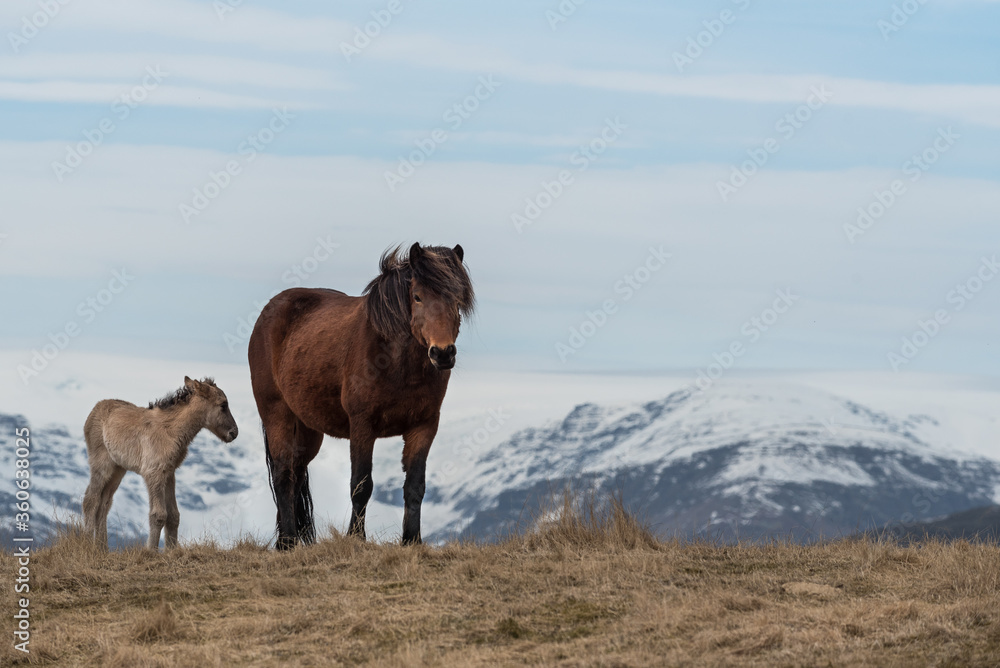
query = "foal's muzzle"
{"x": 232, "y": 434}
{"x": 443, "y": 358}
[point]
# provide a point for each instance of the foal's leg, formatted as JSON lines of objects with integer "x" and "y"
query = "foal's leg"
{"x": 102, "y": 469}
{"x": 362, "y": 447}
{"x": 107, "y": 494}
{"x": 99, "y": 476}
{"x": 416, "y": 445}
{"x": 156, "y": 485}
{"x": 173, "y": 513}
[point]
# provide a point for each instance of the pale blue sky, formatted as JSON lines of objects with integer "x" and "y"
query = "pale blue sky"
{"x": 323, "y": 176}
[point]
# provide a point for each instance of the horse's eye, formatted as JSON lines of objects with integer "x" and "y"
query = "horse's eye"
{"x": 416, "y": 298}
{"x": 225, "y": 406}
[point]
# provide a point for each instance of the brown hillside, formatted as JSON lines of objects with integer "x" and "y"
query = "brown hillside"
{"x": 585, "y": 592}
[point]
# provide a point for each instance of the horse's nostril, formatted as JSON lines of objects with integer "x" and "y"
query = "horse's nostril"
{"x": 450, "y": 350}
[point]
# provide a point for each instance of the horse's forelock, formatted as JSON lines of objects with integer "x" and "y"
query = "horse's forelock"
{"x": 438, "y": 268}
{"x": 441, "y": 271}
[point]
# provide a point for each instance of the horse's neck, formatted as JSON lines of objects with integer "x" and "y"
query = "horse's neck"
{"x": 408, "y": 358}
{"x": 186, "y": 424}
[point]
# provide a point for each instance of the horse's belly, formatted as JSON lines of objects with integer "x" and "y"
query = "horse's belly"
{"x": 327, "y": 417}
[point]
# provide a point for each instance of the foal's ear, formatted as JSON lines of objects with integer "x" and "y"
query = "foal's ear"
{"x": 415, "y": 252}
{"x": 190, "y": 383}
{"x": 459, "y": 252}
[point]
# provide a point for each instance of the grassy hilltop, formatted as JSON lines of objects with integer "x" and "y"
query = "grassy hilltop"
{"x": 597, "y": 590}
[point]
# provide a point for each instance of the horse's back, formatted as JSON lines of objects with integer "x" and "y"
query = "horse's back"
{"x": 308, "y": 314}
{"x": 299, "y": 351}
{"x": 106, "y": 414}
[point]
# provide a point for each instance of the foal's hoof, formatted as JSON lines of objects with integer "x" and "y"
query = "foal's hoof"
{"x": 284, "y": 544}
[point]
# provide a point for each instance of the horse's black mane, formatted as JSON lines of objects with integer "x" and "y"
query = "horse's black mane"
{"x": 438, "y": 268}
{"x": 179, "y": 397}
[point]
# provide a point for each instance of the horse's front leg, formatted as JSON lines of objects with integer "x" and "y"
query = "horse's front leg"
{"x": 156, "y": 485}
{"x": 362, "y": 446}
{"x": 416, "y": 445}
{"x": 173, "y": 513}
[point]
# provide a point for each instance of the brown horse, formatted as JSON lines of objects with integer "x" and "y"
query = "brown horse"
{"x": 358, "y": 368}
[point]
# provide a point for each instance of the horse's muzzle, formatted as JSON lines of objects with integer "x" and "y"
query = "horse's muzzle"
{"x": 233, "y": 433}
{"x": 443, "y": 358}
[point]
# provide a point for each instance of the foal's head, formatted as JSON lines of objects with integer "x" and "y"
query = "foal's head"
{"x": 218, "y": 419}
{"x": 423, "y": 296}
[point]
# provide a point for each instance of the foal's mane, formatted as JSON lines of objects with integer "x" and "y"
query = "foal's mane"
{"x": 438, "y": 268}
{"x": 180, "y": 396}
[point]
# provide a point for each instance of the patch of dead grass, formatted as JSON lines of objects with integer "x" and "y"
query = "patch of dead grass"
{"x": 590, "y": 587}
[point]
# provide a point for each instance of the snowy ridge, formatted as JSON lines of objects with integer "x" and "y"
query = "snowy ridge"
{"x": 761, "y": 456}
{"x": 799, "y": 453}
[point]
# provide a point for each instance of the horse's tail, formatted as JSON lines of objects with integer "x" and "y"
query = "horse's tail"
{"x": 270, "y": 471}
{"x": 304, "y": 525}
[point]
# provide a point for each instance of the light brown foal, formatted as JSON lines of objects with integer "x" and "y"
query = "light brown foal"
{"x": 151, "y": 442}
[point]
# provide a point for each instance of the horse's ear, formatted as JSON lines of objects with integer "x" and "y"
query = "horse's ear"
{"x": 415, "y": 252}
{"x": 459, "y": 252}
{"x": 189, "y": 383}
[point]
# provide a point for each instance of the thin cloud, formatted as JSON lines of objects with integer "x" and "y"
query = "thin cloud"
{"x": 165, "y": 95}
{"x": 127, "y": 67}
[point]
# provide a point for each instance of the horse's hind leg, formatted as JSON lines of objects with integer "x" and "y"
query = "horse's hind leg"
{"x": 104, "y": 473}
{"x": 156, "y": 485}
{"x": 307, "y": 444}
{"x": 92, "y": 503}
{"x": 290, "y": 447}
{"x": 106, "y": 496}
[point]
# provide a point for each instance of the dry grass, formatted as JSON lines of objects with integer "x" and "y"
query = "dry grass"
{"x": 591, "y": 588}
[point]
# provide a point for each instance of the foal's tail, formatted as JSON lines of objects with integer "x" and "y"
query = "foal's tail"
{"x": 304, "y": 525}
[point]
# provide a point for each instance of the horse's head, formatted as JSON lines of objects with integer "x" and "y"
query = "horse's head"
{"x": 440, "y": 292}
{"x": 422, "y": 298}
{"x": 218, "y": 419}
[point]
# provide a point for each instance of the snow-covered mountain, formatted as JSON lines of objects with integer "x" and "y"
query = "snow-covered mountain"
{"x": 799, "y": 454}
{"x": 746, "y": 459}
